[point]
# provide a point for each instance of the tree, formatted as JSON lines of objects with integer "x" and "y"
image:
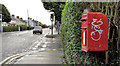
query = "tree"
{"x": 55, "y": 7}
{"x": 5, "y": 13}
{"x": 44, "y": 26}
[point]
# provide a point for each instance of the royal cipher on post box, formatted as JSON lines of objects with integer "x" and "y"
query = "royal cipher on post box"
{"x": 94, "y": 32}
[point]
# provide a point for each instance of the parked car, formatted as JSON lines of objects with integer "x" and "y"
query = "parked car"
{"x": 37, "y": 29}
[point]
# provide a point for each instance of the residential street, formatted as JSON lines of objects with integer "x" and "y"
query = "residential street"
{"x": 59, "y": 32}
{"x": 18, "y": 42}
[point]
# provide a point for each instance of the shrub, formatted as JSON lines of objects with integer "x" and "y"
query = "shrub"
{"x": 31, "y": 28}
{"x": 10, "y": 28}
{"x": 23, "y": 28}
{"x": 71, "y": 33}
{"x": 15, "y": 28}
{"x": 44, "y": 26}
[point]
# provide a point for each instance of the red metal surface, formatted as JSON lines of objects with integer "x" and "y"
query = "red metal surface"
{"x": 37, "y": 30}
{"x": 94, "y": 33}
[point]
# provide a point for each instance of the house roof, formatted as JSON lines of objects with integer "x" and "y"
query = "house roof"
{"x": 4, "y": 23}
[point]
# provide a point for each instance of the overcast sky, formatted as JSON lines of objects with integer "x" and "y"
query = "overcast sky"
{"x": 34, "y": 7}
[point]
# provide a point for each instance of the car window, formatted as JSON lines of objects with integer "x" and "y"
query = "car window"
{"x": 37, "y": 28}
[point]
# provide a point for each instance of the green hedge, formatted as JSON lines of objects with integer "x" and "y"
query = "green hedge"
{"x": 31, "y": 28}
{"x": 71, "y": 35}
{"x": 10, "y": 28}
{"x": 23, "y": 28}
{"x": 15, "y": 28}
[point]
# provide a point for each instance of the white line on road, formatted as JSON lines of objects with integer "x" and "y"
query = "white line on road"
{"x": 8, "y": 37}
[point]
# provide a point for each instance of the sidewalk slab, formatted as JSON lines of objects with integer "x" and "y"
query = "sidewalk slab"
{"x": 44, "y": 57}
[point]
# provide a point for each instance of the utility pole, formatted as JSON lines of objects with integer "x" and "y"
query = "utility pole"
{"x": 28, "y": 19}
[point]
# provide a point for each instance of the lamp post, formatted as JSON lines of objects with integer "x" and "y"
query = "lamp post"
{"x": 52, "y": 18}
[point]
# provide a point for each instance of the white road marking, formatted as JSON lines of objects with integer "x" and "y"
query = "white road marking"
{"x": 34, "y": 48}
{"x": 8, "y": 37}
{"x": 45, "y": 45}
{"x": 42, "y": 49}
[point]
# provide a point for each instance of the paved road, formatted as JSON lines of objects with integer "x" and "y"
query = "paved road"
{"x": 18, "y": 42}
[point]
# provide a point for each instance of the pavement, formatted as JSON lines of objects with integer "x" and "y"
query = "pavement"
{"x": 48, "y": 51}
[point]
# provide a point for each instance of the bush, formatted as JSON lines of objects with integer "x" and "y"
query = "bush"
{"x": 30, "y": 28}
{"x": 10, "y": 28}
{"x": 44, "y": 26}
{"x": 15, "y": 28}
{"x": 23, "y": 28}
{"x": 71, "y": 34}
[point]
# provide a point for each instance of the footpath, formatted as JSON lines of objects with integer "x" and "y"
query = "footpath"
{"x": 49, "y": 51}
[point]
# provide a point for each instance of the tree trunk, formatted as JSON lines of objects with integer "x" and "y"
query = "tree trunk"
{"x": 118, "y": 28}
{"x": 106, "y": 13}
{"x": 106, "y": 60}
{"x": 106, "y": 9}
{"x": 98, "y": 4}
{"x": 102, "y": 7}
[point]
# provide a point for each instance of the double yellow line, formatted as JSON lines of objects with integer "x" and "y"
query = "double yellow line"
{"x": 60, "y": 49}
{"x": 10, "y": 59}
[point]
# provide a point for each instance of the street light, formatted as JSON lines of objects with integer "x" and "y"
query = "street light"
{"x": 52, "y": 19}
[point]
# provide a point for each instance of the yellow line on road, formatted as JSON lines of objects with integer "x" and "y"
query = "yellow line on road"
{"x": 13, "y": 59}
{"x": 10, "y": 59}
{"x": 7, "y": 59}
{"x": 56, "y": 49}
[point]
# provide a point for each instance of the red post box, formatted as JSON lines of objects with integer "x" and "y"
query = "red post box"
{"x": 94, "y": 32}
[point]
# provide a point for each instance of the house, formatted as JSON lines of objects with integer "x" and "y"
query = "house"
{"x": 5, "y": 24}
{"x": 21, "y": 22}
{"x": 17, "y": 21}
{"x": 36, "y": 23}
{"x": 13, "y": 21}
{"x": 25, "y": 22}
{"x": 31, "y": 22}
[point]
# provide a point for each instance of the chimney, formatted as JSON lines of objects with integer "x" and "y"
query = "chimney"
{"x": 21, "y": 18}
{"x": 17, "y": 17}
{"x": 13, "y": 15}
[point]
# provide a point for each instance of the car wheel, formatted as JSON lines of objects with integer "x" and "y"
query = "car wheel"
{"x": 40, "y": 32}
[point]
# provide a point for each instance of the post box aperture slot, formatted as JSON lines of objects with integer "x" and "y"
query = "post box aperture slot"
{"x": 83, "y": 20}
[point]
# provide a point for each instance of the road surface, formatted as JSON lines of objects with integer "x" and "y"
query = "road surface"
{"x": 18, "y": 42}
